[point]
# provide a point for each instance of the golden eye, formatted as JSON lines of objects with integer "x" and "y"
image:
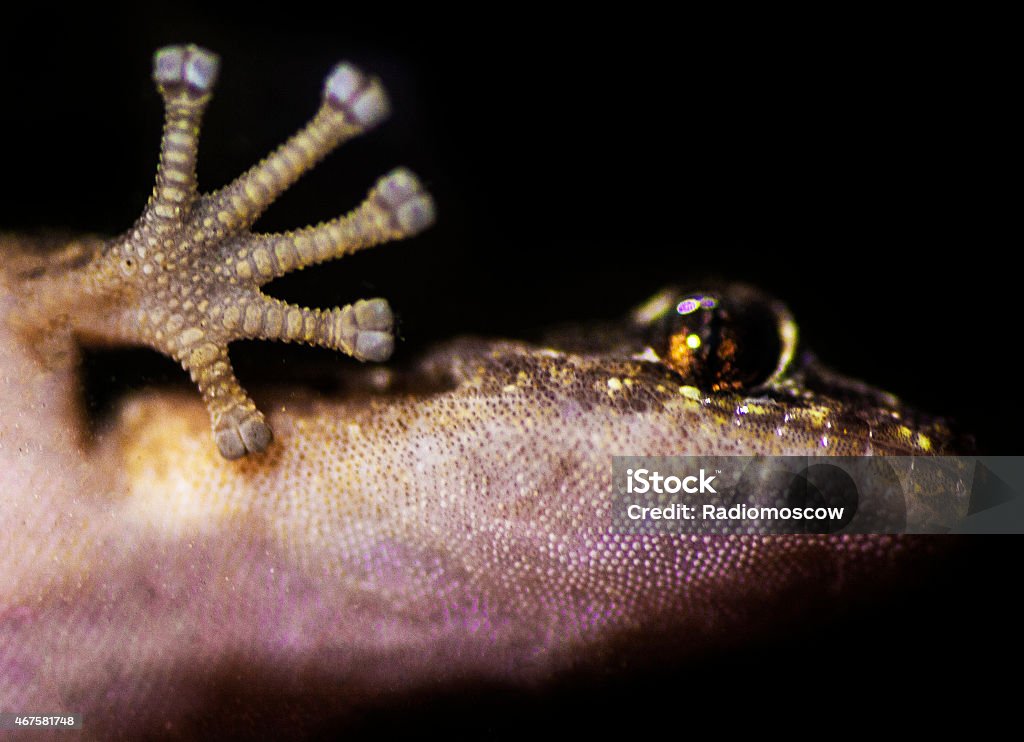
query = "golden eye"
{"x": 728, "y": 340}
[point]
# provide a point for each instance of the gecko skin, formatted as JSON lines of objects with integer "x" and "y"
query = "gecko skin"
{"x": 431, "y": 525}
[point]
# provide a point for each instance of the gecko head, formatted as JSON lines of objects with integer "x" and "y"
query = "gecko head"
{"x": 733, "y": 353}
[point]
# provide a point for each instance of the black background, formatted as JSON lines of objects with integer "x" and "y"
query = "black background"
{"x": 855, "y": 166}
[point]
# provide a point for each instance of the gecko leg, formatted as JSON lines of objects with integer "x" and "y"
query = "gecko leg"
{"x": 185, "y": 279}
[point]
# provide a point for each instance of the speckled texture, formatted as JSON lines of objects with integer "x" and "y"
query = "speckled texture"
{"x": 390, "y": 539}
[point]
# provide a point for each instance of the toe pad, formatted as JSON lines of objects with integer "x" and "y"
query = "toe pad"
{"x": 239, "y": 432}
{"x": 411, "y": 207}
{"x": 189, "y": 67}
{"x": 360, "y": 98}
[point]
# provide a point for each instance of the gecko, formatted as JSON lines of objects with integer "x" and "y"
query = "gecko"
{"x": 433, "y": 523}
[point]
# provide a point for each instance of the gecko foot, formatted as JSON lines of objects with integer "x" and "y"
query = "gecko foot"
{"x": 185, "y": 279}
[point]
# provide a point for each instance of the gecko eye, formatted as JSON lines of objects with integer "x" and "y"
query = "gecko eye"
{"x": 727, "y": 340}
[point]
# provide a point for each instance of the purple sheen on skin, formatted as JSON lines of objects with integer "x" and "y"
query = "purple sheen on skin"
{"x": 387, "y": 543}
{"x": 192, "y": 65}
{"x": 404, "y": 195}
{"x": 363, "y": 100}
{"x": 371, "y": 107}
{"x": 416, "y": 215}
{"x": 201, "y": 70}
{"x": 167, "y": 64}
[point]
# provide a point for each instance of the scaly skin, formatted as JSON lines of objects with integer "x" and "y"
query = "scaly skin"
{"x": 443, "y": 525}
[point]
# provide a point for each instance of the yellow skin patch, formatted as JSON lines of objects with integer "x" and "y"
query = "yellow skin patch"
{"x": 447, "y": 527}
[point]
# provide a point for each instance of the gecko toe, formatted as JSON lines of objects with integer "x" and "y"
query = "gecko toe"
{"x": 373, "y": 320}
{"x": 401, "y": 193}
{"x": 374, "y": 314}
{"x": 360, "y": 98}
{"x": 239, "y": 432}
{"x": 229, "y": 443}
{"x": 374, "y": 346}
{"x": 256, "y": 434}
{"x": 191, "y": 68}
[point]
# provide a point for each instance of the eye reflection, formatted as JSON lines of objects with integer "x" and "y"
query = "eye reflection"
{"x": 727, "y": 340}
